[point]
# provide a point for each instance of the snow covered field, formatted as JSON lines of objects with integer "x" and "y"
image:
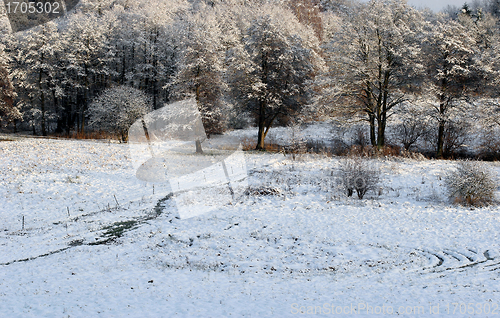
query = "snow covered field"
{"x": 98, "y": 242}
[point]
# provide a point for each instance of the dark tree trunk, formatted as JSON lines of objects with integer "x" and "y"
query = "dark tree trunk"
{"x": 380, "y": 135}
{"x": 122, "y": 75}
{"x": 42, "y": 99}
{"x": 198, "y": 147}
{"x": 262, "y": 127}
{"x": 262, "y": 106}
{"x": 373, "y": 140}
{"x": 442, "y": 110}
{"x": 440, "y": 141}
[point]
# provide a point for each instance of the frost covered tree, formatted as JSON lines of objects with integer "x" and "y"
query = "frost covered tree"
{"x": 457, "y": 58}
{"x": 38, "y": 53}
{"x": 200, "y": 66}
{"x": 494, "y": 8}
{"x": 308, "y": 13}
{"x": 116, "y": 109}
{"x": 88, "y": 58}
{"x": 151, "y": 41}
{"x": 271, "y": 70}
{"x": 373, "y": 55}
{"x": 8, "y": 111}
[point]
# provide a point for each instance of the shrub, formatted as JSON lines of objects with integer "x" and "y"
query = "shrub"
{"x": 297, "y": 144}
{"x": 471, "y": 184}
{"x": 359, "y": 175}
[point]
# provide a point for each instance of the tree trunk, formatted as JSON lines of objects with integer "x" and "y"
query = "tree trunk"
{"x": 85, "y": 99}
{"x": 440, "y": 141}
{"x": 262, "y": 127}
{"x": 155, "y": 70}
{"x": 382, "y": 121}
{"x": 33, "y": 126}
{"x": 380, "y": 135}
{"x": 372, "y": 131}
{"x": 442, "y": 109}
{"x": 44, "y": 128}
{"x": 42, "y": 98}
{"x": 198, "y": 104}
{"x": 198, "y": 147}
{"x": 260, "y": 139}
{"x": 262, "y": 106}
{"x": 383, "y": 114}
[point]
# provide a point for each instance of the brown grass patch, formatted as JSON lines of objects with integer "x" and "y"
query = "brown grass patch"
{"x": 89, "y": 135}
{"x": 269, "y": 145}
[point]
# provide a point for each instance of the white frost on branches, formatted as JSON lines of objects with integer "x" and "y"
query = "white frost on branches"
{"x": 116, "y": 109}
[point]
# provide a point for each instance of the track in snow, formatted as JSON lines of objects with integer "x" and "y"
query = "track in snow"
{"x": 451, "y": 260}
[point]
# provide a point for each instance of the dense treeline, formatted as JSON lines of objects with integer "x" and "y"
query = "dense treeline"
{"x": 264, "y": 62}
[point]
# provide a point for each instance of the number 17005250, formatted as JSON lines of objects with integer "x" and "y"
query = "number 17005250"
{"x": 32, "y": 7}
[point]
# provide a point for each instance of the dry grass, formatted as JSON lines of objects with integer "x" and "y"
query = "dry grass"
{"x": 89, "y": 135}
{"x": 269, "y": 145}
{"x": 320, "y": 148}
{"x": 374, "y": 152}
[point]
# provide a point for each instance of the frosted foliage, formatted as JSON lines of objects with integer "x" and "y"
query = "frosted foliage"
{"x": 8, "y": 112}
{"x": 118, "y": 108}
{"x": 374, "y": 59}
{"x": 471, "y": 183}
{"x": 200, "y": 67}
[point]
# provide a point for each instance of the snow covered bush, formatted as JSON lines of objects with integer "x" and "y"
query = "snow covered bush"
{"x": 117, "y": 108}
{"x": 357, "y": 174}
{"x": 297, "y": 143}
{"x": 471, "y": 183}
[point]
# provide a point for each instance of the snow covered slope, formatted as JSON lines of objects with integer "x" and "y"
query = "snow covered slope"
{"x": 98, "y": 242}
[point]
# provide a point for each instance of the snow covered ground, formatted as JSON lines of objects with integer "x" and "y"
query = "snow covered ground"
{"x": 99, "y": 242}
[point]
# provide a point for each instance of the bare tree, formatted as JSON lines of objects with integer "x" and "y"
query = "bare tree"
{"x": 413, "y": 125}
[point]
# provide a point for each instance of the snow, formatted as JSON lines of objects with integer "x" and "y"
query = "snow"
{"x": 306, "y": 248}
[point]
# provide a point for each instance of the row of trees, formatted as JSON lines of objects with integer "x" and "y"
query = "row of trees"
{"x": 385, "y": 57}
{"x": 232, "y": 56}
{"x": 268, "y": 60}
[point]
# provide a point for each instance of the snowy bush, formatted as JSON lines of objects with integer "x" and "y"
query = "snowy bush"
{"x": 471, "y": 183}
{"x": 118, "y": 108}
{"x": 357, "y": 174}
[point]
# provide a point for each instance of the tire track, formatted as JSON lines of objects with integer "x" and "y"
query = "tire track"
{"x": 448, "y": 260}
